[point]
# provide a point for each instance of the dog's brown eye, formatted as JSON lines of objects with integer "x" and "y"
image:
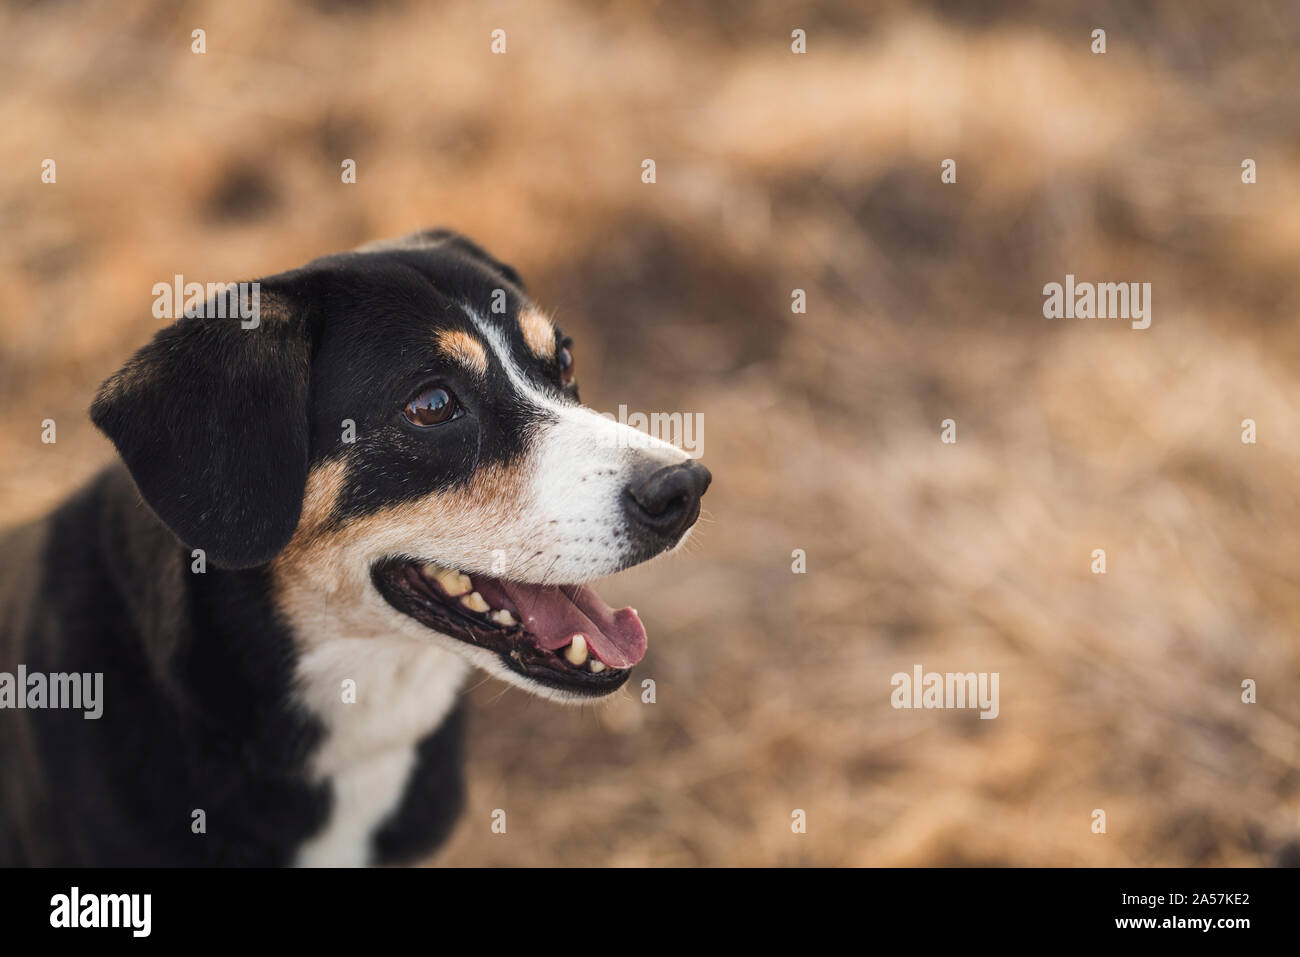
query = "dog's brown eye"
{"x": 431, "y": 406}
{"x": 566, "y": 365}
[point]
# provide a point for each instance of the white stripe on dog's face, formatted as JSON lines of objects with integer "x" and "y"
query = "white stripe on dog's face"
{"x": 572, "y": 526}
{"x": 553, "y": 516}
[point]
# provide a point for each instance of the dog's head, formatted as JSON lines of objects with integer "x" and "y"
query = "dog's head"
{"x": 397, "y": 435}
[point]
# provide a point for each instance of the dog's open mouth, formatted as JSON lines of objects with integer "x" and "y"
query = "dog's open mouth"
{"x": 563, "y": 636}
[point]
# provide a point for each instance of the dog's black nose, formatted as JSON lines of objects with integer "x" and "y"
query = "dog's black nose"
{"x": 668, "y": 501}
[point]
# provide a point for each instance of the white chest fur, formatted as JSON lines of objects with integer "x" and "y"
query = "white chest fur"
{"x": 401, "y": 689}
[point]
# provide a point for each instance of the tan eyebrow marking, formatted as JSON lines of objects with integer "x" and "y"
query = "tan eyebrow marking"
{"x": 538, "y": 333}
{"x": 464, "y": 348}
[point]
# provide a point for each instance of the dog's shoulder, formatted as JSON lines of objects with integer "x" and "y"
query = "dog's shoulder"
{"x": 53, "y": 568}
{"x": 197, "y": 682}
{"x": 204, "y": 678}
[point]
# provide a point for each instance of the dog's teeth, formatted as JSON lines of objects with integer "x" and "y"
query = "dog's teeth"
{"x": 596, "y": 666}
{"x": 576, "y": 653}
{"x": 454, "y": 583}
{"x": 474, "y": 602}
{"x": 503, "y": 617}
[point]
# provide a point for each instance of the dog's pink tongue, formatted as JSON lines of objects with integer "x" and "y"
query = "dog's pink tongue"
{"x": 554, "y": 615}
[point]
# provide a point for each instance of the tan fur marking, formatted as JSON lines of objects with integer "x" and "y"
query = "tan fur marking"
{"x": 335, "y": 563}
{"x": 409, "y": 241}
{"x": 538, "y": 332}
{"x": 464, "y": 348}
{"x": 324, "y": 483}
{"x": 272, "y": 308}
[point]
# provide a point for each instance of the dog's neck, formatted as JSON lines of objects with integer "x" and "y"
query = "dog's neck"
{"x": 376, "y": 687}
{"x": 353, "y": 696}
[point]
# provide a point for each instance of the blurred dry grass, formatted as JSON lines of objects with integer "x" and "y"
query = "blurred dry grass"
{"x": 779, "y": 171}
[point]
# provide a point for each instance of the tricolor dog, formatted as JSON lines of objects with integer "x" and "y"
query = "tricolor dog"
{"x": 319, "y": 526}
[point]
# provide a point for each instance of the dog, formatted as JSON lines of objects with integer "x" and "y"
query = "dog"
{"x": 320, "y": 524}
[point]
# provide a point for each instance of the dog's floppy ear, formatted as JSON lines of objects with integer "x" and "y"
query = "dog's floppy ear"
{"x": 211, "y": 419}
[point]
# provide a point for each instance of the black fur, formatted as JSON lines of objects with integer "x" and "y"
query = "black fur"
{"x": 433, "y": 799}
{"x": 211, "y": 419}
{"x": 197, "y": 714}
{"x": 218, "y": 427}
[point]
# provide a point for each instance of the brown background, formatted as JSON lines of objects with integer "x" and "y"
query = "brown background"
{"x": 778, "y": 171}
